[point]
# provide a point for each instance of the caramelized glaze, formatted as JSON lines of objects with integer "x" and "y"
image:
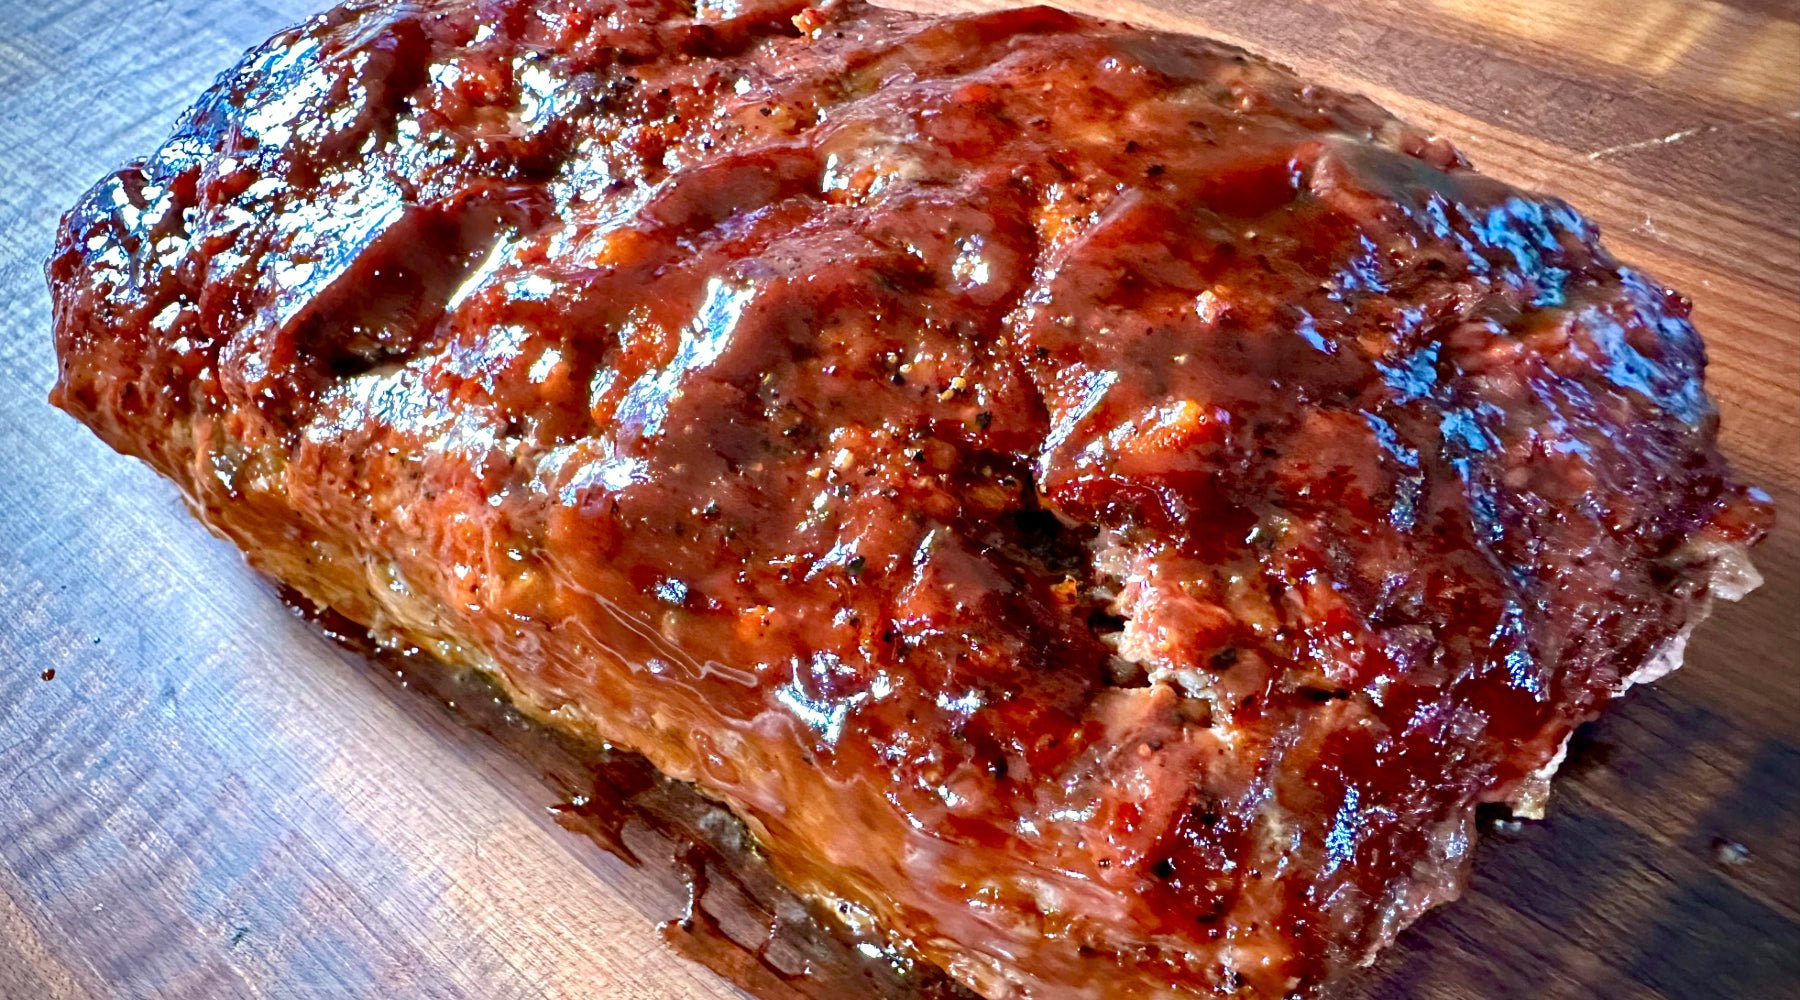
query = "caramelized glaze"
{"x": 1103, "y": 511}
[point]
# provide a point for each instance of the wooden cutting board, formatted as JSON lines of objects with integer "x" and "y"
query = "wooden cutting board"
{"x": 200, "y": 797}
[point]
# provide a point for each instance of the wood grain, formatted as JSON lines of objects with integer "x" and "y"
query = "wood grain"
{"x": 209, "y": 800}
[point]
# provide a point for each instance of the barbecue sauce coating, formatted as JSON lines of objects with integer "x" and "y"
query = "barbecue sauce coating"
{"x": 1102, "y": 509}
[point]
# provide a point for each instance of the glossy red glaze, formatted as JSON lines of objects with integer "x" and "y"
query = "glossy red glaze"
{"x": 1104, "y": 509}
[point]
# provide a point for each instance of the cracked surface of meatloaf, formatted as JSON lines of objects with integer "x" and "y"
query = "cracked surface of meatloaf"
{"x": 1101, "y": 508}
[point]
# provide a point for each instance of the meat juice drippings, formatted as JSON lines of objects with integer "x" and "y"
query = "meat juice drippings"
{"x": 777, "y": 946}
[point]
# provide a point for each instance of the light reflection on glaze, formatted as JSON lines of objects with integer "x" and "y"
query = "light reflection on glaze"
{"x": 1340, "y": 842}
{"x": 646, "y": 403}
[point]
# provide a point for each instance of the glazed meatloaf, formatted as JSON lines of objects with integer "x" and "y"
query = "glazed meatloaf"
{"x": 1103, "y": 511}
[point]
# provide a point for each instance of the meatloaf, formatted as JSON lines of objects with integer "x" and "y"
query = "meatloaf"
{"x": 1103, "y": 511}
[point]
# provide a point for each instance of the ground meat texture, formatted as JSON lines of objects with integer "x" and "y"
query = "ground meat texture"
{"x": 1102, "y": 509}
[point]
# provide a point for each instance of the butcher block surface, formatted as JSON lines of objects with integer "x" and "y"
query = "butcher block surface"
{"x": 187, "y": 808}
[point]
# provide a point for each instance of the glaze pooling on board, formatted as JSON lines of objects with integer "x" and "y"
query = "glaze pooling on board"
{"x": 1103, "y": 510}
